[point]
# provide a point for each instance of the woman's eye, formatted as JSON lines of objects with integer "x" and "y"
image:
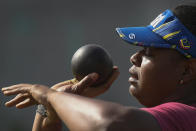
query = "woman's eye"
{"x": 147, "y": 53}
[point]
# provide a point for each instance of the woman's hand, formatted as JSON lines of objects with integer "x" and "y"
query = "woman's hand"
{"x": 26, "y": 95}
{"x": 84, "y": 87}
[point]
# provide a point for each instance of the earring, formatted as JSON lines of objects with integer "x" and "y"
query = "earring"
{"x": 181, "y": 82}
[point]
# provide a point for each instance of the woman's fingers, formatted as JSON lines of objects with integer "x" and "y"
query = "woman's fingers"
{"x": 87, "y": 81}
{"x": 15, "y": 91}
{"x": 113, "y": 77}
{"x": 27, "y": 95}
{"x": 26, "y": 103}
{"x": 109, "y": 82}
{"x": 19, "y": 98}
{"x": 14, "y": 87}
{"x": 9, "y": 88}
{"x": 23, "y": 97}
{"x": 93, "y": 92}
{"x": 64, "y": 83}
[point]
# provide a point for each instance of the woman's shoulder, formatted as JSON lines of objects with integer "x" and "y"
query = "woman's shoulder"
{"x": 177, "y": 105}
{"x": 173, "y": 116}
{"x": 173, "y": 107}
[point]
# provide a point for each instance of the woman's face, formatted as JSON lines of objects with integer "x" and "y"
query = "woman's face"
{"x": 155, "y": 74}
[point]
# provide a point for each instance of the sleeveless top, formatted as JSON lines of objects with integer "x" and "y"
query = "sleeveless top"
{"x": 174, "y": 116}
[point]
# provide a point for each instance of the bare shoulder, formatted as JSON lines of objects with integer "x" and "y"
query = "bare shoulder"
{"x": 132, "y": 119}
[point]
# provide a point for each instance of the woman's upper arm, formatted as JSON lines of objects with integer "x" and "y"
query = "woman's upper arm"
{"x": 133, "y": 119}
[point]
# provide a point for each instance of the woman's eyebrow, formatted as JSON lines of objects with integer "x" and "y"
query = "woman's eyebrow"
{"x": 152, "y": 48}
{"x": 145, "y": 48}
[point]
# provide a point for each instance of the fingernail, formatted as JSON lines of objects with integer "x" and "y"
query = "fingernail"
{"x": 4, "y": 88}
{"x": 6, "y": 103}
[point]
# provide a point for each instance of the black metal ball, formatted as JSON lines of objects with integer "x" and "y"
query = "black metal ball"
{"x": 91, "y": 58}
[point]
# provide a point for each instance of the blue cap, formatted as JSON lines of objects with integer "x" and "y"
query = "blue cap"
{"x": 166, "y": 31}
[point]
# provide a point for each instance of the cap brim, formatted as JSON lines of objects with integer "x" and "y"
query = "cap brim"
{"x": 141, "y": 36}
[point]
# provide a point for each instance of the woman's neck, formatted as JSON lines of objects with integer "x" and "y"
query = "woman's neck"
{"x": 185, "y": 95}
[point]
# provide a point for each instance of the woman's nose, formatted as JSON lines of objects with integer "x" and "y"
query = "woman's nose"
{"x": 136, "y": 59}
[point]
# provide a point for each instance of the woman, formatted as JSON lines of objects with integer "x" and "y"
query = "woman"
{"x": 163, "y": 78}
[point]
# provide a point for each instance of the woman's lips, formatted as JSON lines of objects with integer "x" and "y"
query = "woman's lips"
{"x": 133, "y": 84}
{"x": 134, "y": 75}
{"x": 133, "y": 80}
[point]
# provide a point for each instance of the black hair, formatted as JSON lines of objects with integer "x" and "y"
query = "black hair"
{"x": 186, "y": 13}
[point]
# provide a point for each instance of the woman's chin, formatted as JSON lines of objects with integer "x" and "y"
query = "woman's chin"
{"x": 144, "y": 100}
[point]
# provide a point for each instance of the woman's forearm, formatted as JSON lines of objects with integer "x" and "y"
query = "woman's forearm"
{"x": 80, "y": 113}
{"x": 44, "y": 124}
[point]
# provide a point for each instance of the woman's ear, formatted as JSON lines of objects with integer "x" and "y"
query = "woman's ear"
{"x": 189, "y": 72}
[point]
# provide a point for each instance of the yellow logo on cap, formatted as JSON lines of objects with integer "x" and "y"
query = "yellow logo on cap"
{"x": 185, "y": 44}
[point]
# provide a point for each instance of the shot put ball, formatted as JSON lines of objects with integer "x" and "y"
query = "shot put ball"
{"x": 92, "y": 58}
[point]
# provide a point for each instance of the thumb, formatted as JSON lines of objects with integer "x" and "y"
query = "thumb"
{"x": 87, "y": 81}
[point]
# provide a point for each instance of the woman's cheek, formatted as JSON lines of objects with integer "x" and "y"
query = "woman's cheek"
{"x": 157, "y": 79}
{"x": 146, "y": 74}
{"x": 151, "y": 77}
